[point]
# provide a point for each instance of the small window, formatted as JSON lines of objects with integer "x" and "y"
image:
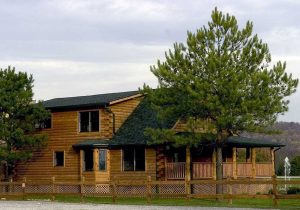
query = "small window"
{"x": 102, "y": 159}
{"x": 88, "y": 160}
{"x": 134, "y": 159}
{"x": 59, "y": 158}
{"x": 89, "y": 121}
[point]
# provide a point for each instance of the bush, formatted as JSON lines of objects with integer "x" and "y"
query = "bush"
{"x": 295, "y": 166}
{"x": 293, "y": 190}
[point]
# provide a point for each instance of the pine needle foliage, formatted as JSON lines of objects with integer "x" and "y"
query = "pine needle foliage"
{"x": 18, "y": 117}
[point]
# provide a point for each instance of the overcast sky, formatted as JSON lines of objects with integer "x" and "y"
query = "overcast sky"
{"x": 84, "y": 47}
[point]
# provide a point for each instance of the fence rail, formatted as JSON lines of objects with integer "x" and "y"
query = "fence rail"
{"x": 244, "y": 188}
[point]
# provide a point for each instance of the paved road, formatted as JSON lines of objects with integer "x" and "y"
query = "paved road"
{"x": 46, "y": 205}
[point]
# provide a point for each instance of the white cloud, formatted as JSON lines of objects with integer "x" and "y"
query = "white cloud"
{"x": 70, "y": 78}
{"x": 79, "y": 47}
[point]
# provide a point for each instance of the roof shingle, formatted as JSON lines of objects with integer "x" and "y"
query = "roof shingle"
{"x": 87, "y": 101}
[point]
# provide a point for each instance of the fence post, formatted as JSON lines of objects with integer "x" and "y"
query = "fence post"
{"x": 229, "y": 190}
{"x": 82, "y": 180}
{"x": 10, "y": 188}
{"x": 114, "y": 189}
{"x": 188, "y": 188}
{"x": 275, "y": 192}
{"x": 53, "y": 188}
{"x": 149, "y": 189}
{"x": 24, "y": 187}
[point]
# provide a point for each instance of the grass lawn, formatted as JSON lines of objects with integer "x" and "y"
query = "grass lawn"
{"x": 250, "y": 203}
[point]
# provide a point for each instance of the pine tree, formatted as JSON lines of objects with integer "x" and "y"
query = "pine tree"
{"x": 223, "y": 74}
{"x": 18, "y": 117}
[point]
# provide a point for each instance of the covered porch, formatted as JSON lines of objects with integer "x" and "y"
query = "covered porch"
{"x": 200, "y": 163}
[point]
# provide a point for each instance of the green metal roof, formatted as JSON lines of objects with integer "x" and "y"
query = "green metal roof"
{"x": 92, "y": 143}
{"x": 240, "y": 141}
{"x": 86, "y": 101}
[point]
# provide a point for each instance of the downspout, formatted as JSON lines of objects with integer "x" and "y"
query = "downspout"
{"x": 107, "y": 109}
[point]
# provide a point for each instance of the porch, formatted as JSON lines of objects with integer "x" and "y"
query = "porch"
{"x": 239, "y": 156}
{"x": 205, "y": 170}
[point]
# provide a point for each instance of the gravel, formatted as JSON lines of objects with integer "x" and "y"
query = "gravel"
{"x": 47, "y": 205}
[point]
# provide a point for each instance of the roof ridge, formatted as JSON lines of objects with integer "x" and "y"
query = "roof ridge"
{"x": 93, "y": 95}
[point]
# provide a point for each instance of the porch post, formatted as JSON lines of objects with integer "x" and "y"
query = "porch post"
{"x": 214, "y": 164}
{"x": 253, "y": 160}
{"x": 272, "y": 151}
{"x": 80, "y": 163}
{"x": 188, "y": 163}
{"x": 188, "y": 168}
{"x": 234, "y": 164}
{"x": 95, "y": 160}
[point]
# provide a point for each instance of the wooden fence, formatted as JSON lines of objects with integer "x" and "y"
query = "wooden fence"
{"x": 274, "y": 189}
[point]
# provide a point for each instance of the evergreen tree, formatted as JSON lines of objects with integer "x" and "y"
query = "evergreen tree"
{"x": 18, "y": 117}
{"x": 295, "y": 166}
{"x": 222, "y": 74}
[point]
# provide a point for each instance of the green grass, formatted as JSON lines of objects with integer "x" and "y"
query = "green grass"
{"x": 246, "y": 203}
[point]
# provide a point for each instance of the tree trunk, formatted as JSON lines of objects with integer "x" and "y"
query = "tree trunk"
{"x": 219, "y": 169}
{"x": 219, "y": 164}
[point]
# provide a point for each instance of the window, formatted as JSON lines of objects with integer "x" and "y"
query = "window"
{"x": 89, "y": 121}
{"x": 88, "y": 160}
{"x": 59, "y": 158}
{"x": 134, "y": 159}
{"x": 44, "y": 124}
{"x": 102, "y": 159}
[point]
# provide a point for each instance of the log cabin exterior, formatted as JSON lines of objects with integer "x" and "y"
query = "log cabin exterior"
{"x": 101, "y": 138}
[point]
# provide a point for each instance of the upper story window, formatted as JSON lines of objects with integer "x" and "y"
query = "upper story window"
{"x": 44, "y": 124}
{"x": 89, "y": 121}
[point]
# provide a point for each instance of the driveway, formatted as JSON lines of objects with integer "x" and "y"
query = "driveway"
{"x": 47, "y": 205}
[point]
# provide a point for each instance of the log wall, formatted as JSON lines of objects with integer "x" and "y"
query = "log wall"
{"x": 63, "y": 134}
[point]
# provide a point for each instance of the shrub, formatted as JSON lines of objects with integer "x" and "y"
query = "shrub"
{"x": 293, "y": 190}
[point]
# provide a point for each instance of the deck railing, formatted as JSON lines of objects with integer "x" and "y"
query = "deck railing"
{"x": 204, "y": 170}
{"x": 264, "y": 169}
{"x": 175, "y": 170}
{"x": 244, "y": 169}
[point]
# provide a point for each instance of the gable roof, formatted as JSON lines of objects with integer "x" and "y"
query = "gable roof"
{"x": 88, "y": 101}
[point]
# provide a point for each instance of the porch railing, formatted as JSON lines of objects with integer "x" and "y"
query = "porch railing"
{"x": 175, "y": 170}
{"x": 264, "y": 169}
{"x": 204, "y": 170}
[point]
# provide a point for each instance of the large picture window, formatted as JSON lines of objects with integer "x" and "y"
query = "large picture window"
{"x": 89, "y": 121}
{"x": 134, "y": 159}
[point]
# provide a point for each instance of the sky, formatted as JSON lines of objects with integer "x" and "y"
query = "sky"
{"x": 85, "y": 47}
